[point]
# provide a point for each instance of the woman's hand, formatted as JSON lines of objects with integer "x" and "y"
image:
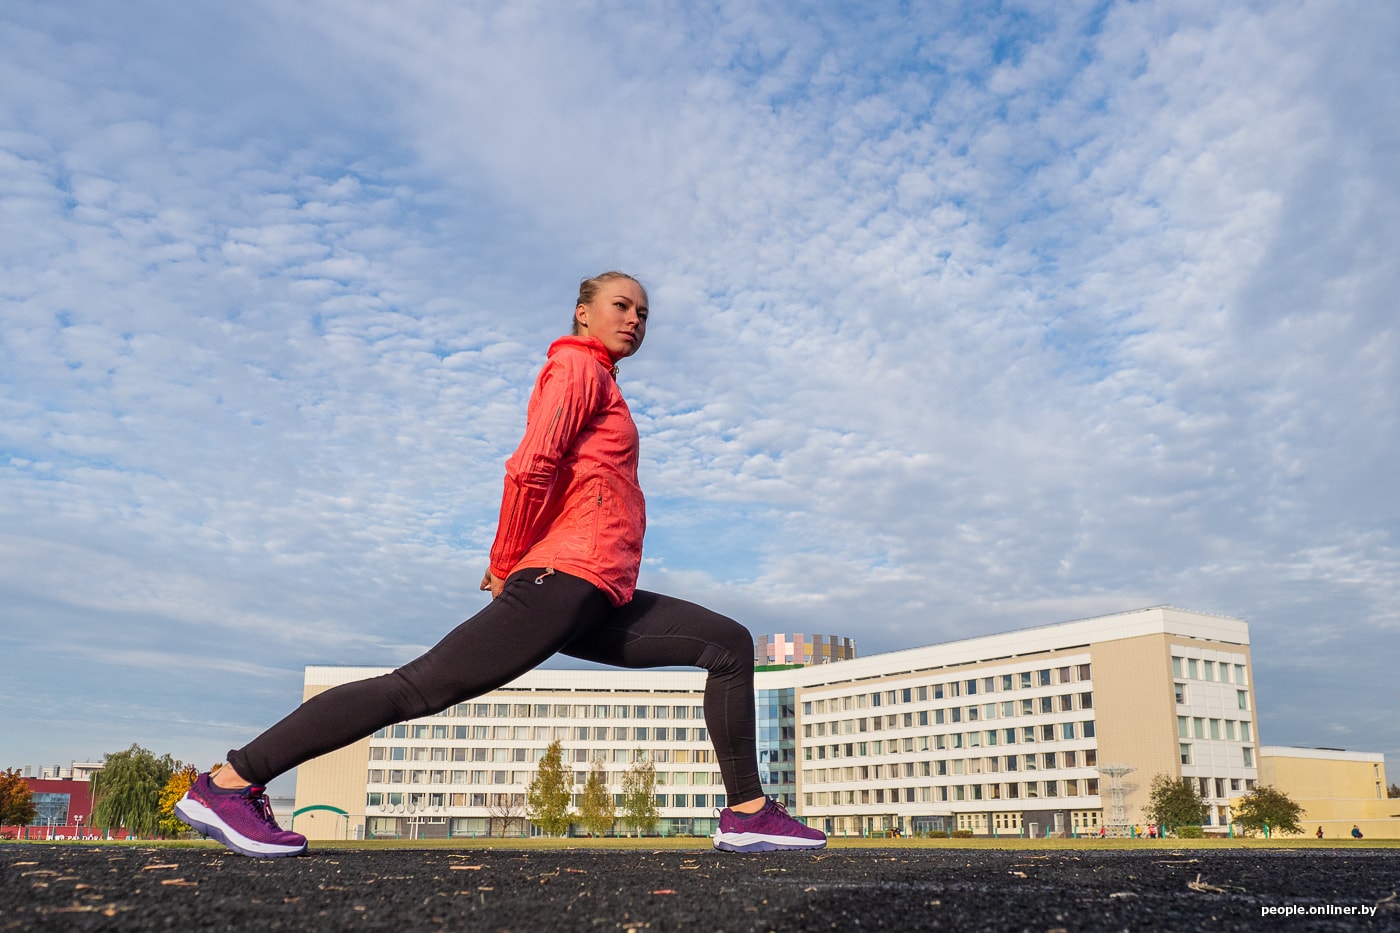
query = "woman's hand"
{"x": 492, "y": 583}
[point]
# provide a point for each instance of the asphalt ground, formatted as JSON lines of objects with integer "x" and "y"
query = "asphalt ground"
{"x": 74, "y": 886}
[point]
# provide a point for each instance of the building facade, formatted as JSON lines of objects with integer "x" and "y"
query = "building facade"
{"x": 1337, "y": 790}
{"x": 802, "y": 648}
{"x": 1055, "y": 729}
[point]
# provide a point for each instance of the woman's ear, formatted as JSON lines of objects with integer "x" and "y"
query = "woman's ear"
{"x": 581, "y": 316}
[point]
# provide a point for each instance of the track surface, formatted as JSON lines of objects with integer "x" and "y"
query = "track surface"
{"x": 78, "y": 887}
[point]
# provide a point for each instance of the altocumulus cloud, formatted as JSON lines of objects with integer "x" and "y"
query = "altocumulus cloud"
{"x": 966, "y": 318}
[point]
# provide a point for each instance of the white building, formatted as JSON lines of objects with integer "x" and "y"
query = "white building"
{"x": 1009, "y": 733}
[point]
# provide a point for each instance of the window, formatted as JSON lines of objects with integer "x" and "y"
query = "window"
{"x": 1183, "y": 727}
{"x": 1209, "y": 670}
{"x": 1044, "y": 677}
{"x": 1176, "y": 667}
{"x": 1193, "y": 669}
{"x": 1088, "y": 731}
{"x": 1067, "y": 730}
{"x": 1248, "y": 756}
{"x": 1181, "y": 694}
{"x": 1243, "y": 697}
{"x": 1185, "y": 753}
{"x": 1215, "y": 728}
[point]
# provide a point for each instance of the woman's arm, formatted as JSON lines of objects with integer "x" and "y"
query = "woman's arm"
{"x": 567, "y": 395}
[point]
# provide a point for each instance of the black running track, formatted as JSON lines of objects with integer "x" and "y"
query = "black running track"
{"x": 71, "y": 886}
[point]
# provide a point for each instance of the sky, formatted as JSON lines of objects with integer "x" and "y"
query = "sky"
{"x": 966, "y": 317}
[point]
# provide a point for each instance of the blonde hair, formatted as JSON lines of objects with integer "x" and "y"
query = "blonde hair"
{"x": 588, "y": 290}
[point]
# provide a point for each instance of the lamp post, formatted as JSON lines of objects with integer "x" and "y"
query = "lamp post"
{"x": 79, "y": 820}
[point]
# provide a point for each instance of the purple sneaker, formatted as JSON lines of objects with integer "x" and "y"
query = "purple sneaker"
{"x": 768, "y": 830}
{"x": 240, "y": 819}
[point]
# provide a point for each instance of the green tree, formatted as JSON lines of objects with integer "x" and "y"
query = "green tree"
{"x": 126, "y": 792}
{"x": 16, "y": 800}
{"x": 1393, "y": 790}
{"x": 1174, "y": 802}
{"x": 596, "y": 811}
{"x": 180, "y": 781}
{"x": 1268, "y": 806}
{"x": 639, "y": 796}
{"x": 547, "y": 797}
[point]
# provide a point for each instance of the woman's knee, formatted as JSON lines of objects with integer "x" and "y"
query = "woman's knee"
{"x": 730, "y": 646}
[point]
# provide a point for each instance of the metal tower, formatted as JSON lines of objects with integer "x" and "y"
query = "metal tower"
{"x": 1117, "y": 821}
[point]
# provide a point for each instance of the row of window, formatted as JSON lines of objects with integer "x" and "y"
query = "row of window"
{"x": 555, "y": 733}
{"x": 1200, "y": 727}
{"x": 1046, "y": 761}
{"x": 954, "y": 793}
{"x": 523, "y": 778}
{"x": 1007, "y": 709}
{"x": 1023, "y": 680}
{"x": 1183, "y": 695}
{"x": 431, "y": 804}
{"x": 1188, "y": 756}
{"x": 1048, "y": 732}
{"x": 544, "y": 711}
{"x": 1215, "y": 671}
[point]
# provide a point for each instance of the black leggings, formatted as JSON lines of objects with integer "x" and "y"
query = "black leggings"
{"x": 538, "y": 614}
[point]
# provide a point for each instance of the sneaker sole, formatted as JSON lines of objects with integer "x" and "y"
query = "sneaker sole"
{"x": 757, "y": 842}
{"x": 207, "y": 821}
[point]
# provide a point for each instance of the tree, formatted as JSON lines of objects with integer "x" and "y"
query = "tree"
{"x": 547, "y": 799}
{"x": 1393, "y": 790}
{"x": 1268, "y": 806}
{"x": 180, "y": 781}
{"x": 639, "y": 796}
{"x": 126, "y": 792}
{"x": 506, "y": 810}
{"x": 16, "y": 800}
{"x": 596, "y": 812}
{"x": 1174, "y": 802}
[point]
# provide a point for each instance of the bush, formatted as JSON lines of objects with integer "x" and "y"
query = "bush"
{"x": 1190, "y": 832}
{"x": 962, "y": 834}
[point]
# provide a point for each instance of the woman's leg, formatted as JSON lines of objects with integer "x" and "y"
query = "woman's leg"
{"x": 526, "y": 624}
{"x": 661, "y": 631}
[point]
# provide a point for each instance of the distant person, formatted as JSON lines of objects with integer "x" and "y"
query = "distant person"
{"x": 1356, "y": 832}
{"x": 562, "y": 578}
{"x": 1319, "y": 832}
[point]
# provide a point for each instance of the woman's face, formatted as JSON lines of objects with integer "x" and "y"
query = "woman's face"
{"x": 617, "y": 316}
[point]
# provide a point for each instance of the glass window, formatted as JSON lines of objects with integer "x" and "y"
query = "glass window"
{"x": 1183, "y": 727}
{"x": 1243, "y": 697}
{"x": 1248, "y": 756}
{"x": 1185, "y": 753}
{"x": 1193, "y": 668}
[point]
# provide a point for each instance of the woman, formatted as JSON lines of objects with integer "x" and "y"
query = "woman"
{"x": 562, "y": 578}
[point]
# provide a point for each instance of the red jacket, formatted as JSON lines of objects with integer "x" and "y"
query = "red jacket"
{"x": 572, "y": 501}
